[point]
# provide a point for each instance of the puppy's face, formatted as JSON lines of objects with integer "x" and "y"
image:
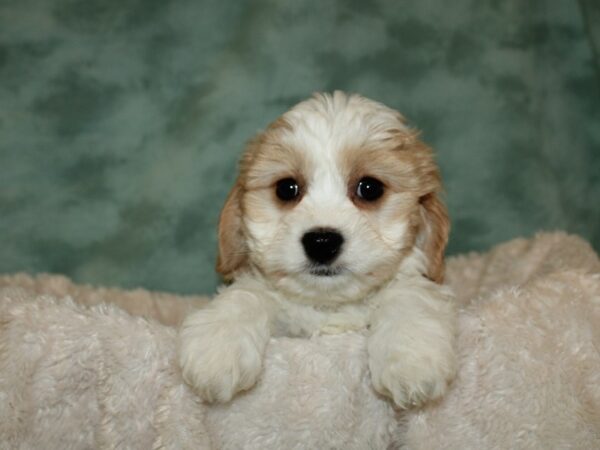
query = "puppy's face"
{"x": 333, "y": 199}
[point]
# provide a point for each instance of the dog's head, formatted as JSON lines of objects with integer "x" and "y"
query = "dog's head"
{"x": 332, "y": 200}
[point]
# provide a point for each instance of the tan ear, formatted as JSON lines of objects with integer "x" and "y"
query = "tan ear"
{"x": 232, "y": 248}
{"x": 434, "y": 235}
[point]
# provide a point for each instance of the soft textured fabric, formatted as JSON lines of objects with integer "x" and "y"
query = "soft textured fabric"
{"x": 121, "y": 120}
{"x": 79, "y": 373}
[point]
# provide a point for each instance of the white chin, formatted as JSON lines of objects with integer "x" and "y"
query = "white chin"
{"x": 332, "y": 286}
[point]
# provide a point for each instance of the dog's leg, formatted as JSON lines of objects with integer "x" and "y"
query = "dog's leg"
{"x": 221, "y": 346}
{"x": 411, "y": 342}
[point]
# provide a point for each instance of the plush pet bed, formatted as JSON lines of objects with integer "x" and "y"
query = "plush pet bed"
{"x": 95, "y": 368}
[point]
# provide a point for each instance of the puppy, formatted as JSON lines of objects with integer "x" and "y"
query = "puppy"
{"x": 334, "y": 224}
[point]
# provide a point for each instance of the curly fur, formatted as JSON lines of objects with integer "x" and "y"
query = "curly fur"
{"x": 76, "y": 371}
{"x": 387, "y": 275}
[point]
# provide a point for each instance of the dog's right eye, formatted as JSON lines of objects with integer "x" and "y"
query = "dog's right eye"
{"x": 369, "y": 189}
{"x": 287, "y": 189}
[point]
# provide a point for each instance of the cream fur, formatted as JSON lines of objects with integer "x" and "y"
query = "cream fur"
{"x": 382, "y": 279}
{"x": 79, "y": 376}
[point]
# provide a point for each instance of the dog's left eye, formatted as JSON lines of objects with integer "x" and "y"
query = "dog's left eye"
{"x": 287, "y": 189}
{"x": 369, "y": 189}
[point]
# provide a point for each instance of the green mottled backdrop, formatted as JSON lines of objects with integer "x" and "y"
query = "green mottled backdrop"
{"x": 121, "y": 120}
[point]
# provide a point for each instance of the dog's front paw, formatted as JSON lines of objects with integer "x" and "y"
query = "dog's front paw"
{"x": 410, "y": 376}
{"x": 218, "y": 358}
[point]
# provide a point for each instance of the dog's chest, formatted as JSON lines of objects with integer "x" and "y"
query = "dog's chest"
{"x": 296, "y": 319}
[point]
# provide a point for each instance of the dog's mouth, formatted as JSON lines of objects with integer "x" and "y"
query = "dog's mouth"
{"x": 325, "y": 271}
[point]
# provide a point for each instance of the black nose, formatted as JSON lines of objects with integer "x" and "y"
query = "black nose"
{"x": 322, "y": 245}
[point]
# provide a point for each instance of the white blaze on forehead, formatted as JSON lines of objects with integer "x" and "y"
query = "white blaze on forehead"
{"x": 344, "y": 119}
{"x": 324, "y": 126}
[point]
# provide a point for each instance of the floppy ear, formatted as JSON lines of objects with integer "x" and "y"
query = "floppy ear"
{"x": 232, "y": 247}
{"x": 434, "y": 234}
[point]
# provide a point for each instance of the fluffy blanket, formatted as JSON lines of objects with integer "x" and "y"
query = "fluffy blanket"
{"x": 95, "y": 368}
